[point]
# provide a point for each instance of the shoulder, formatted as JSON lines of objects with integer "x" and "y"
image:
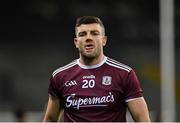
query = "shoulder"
{"x": 65, "y": 67}
{"x": 116, "y": 64}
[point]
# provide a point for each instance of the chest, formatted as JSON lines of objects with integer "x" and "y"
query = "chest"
{"x": 92, "y": 82}
{"x": 85, "y": 89}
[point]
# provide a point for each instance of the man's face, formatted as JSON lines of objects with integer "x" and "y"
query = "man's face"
{"x": 90, "y": 40}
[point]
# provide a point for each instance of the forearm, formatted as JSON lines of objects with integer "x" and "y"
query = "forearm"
{"x": 50, "y": 119}
{"x": 139, "y": 110}
{"x": 52, "y": 111}
{"x": 51, "y": 116}
{"x": 141, "y": 118}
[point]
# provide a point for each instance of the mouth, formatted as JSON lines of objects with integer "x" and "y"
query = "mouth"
{"x": 89, "y": 47}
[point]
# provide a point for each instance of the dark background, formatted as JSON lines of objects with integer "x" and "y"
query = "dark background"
{"x": 37, "y": 37}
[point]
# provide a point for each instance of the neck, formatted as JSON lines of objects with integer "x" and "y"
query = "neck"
{"x": 91, "y": 61}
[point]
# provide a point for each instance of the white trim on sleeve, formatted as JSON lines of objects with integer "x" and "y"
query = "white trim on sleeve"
{"x": 128, "y": 100}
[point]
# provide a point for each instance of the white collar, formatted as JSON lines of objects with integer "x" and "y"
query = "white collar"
{"x": 92, "y": 66}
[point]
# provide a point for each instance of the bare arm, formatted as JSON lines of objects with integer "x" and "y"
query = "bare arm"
{"x": 138, "y": 109}
{"x": 53, "y": 112}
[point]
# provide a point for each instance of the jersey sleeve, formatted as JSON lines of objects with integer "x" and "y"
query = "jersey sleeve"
{"x": 132, "y": 87}
{"x": 53, "y": 90}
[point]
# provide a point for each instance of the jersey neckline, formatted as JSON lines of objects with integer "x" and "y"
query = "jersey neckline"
{"x": 92, "y": 66}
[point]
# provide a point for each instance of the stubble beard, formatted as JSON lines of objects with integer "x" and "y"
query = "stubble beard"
{"x": 88, "y": 58}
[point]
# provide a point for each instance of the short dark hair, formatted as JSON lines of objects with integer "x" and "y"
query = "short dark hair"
{"x": 89, "y": 20}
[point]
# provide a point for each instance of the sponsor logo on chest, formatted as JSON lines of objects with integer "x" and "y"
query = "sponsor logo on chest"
{"x": 96, "y": 101}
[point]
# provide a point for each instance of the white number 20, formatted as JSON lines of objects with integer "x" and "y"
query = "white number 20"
{"x": 88, "y": 84}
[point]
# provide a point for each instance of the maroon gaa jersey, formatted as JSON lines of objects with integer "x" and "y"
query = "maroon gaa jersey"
{"x": 95, "y": 93}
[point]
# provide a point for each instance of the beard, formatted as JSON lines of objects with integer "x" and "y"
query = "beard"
{"x": 88, "y": 57}
{"x": 92, "y": 55}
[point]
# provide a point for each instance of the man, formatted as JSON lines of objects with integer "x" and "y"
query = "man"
{"x": 94, "y": 87}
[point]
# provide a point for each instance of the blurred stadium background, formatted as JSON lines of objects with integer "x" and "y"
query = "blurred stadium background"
{"x": 37, "y": 37}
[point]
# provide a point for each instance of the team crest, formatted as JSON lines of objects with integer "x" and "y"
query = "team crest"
{"x": 106, "y": 80}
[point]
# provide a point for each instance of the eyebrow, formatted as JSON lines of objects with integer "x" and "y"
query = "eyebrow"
{"x": 90, "y": 31}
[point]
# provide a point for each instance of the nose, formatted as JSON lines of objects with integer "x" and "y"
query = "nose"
{"x": 89, "y": 37}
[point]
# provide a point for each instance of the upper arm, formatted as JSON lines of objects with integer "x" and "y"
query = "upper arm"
{"x": 53, "y": 109}
{"x": 139, "y": 110}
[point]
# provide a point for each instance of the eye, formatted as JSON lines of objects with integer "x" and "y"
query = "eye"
{"x": 95, "y": 33}
{"x": 81, "y": 34}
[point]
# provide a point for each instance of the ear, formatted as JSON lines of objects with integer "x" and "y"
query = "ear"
{"x": 76, "y": 42}
{"x": 104, "y": 40}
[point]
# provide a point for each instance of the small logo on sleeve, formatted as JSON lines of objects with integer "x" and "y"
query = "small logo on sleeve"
{"x": 106, "y": 80}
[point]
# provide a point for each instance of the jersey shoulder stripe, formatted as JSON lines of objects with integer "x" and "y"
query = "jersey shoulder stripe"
{"x": 117, "y": 64}
{"x": 71, "y": 64}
